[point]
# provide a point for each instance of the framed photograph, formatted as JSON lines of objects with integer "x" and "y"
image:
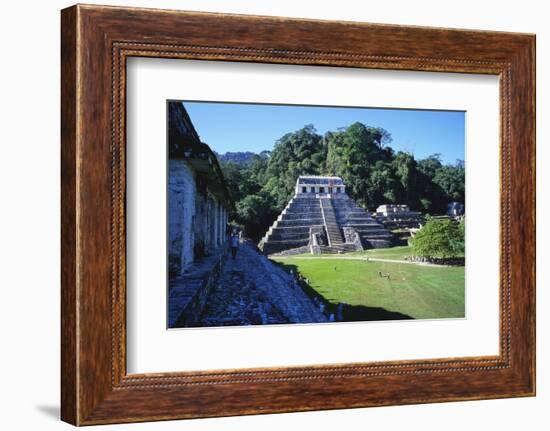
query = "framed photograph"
{"x": 264, "y": 214}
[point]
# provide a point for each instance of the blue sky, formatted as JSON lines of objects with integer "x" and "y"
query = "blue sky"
{"x": 255, "y": 127}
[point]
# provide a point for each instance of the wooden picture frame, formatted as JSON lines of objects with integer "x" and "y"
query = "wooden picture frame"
{"x": 95, "y": 43}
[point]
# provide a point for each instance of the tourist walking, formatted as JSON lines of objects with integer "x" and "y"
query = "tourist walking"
{"x": 234, "y": 244}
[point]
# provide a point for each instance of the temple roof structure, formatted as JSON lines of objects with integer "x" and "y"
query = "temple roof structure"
{"x": 318, "y": 179}
{"x": 184, "y": 143}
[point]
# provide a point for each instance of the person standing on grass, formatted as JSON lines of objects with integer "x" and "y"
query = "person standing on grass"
{"x": 234, "y": 244}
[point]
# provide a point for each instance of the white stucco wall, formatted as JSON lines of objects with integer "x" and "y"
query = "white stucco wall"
{"x": 181, "y": 212}
{"x": 193, "y": 217}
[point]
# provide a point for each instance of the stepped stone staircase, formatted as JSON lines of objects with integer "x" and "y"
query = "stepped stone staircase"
{"x": 291, "y": 230}
{"x": 332, "y": 228}
{"x": 334, "y": 235}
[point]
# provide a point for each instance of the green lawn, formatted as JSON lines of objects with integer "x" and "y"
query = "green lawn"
{"x": 421, "y": 292}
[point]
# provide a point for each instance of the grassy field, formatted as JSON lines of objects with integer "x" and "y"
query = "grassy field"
{"x": 420, "y": 292}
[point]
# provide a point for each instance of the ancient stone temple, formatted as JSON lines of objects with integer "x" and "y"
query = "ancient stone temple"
{"x": 322, "y": 218}
{"x": 198, "y": 200}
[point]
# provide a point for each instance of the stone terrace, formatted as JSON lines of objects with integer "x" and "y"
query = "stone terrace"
{"x": 372, "y": 233}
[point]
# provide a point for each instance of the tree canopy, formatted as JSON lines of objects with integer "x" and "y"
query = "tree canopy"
{"x": 439, "y": 238}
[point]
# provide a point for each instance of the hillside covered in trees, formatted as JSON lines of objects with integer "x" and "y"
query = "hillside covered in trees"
{"x": 375, "y": 174}
{"x": 242, "y": 158}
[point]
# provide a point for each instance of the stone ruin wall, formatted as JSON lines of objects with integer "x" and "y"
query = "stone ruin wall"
{"x": 196, "y": 219}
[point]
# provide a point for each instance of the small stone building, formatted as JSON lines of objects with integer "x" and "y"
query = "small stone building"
{"x": 395, "y": 211}
{"x": 398, "y": 216}
{"x": 455, "y": 209}
{"x": 198, "y": 200}
{"x": 322, "y": 218}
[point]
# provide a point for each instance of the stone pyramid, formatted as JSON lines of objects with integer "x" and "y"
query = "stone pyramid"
{"x": 322, "y": 218}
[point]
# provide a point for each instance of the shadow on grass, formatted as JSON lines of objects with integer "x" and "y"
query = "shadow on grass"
{"x": 342, "y": 312}
{"x": 361, "y": 313}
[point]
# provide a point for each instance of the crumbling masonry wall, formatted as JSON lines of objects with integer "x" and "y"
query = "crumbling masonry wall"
{"x": 196, "y": 219}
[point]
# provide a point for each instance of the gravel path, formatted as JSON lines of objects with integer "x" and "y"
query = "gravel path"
{"x": 252, "y": 291}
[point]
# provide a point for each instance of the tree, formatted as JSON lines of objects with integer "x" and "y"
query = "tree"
{"x": 255, "y": 212}
{"x": 296, "y": 153}
{"x": 256, "y": 170}
{"x": 352, "y": 152}
{"x": 381, "y": 137}
{"x": 439, "y": 238}
{"x": 381, "y": 185}
{"x": 451, "y": 180}
{"x": 432, "y": 198}
{"x": 406, "y": 174}
{"x": 430, "y": 165}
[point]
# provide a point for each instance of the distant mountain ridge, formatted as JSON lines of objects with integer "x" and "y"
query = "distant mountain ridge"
{"x": 241, "y": 158}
